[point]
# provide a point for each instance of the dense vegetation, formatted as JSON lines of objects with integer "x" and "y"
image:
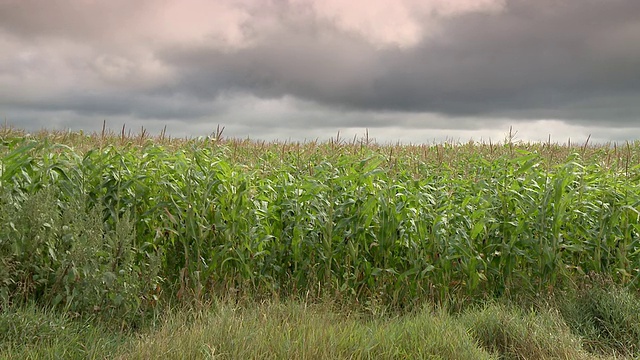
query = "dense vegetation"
{"x": 116, "y": 226}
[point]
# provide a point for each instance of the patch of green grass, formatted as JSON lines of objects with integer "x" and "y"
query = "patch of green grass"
{"x": 32, "y": 333}
{"x": 606, "y": 316}
{"x": 513, "y": 333}
{"x": 298, "y": 331}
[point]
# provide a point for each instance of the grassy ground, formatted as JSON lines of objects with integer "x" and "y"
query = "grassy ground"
{"x": 594, "y": 323}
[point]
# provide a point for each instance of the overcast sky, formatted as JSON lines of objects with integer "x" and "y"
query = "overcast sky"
{"x": 405, "y": 70}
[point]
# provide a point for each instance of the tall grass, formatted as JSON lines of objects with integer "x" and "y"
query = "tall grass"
{"x": 101, "y": 222}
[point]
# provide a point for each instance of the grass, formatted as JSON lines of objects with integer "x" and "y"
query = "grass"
{"x": 291, "y": 330}
{"x": 30, "y": 332}
{"x": 515, "y": 334}
{"x": 605, "y": 316}
{"x": 108, "y": 231}
{"x": 294, "y": 329}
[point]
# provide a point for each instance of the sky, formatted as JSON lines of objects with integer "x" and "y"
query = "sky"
{"x": 408, "y": 71}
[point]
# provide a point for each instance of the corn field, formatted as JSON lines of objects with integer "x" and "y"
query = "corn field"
{"x": 95, "y": 223}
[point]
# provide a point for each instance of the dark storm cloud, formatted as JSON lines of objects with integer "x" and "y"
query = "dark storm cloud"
{"x": 577, "y": 60}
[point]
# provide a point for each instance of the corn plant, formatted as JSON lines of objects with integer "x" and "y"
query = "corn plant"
{"x": 360, "y": 221}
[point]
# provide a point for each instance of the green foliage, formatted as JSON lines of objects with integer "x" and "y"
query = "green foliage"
{"x": 60, "y": 255}
{"x": 113, "y": 228}
{"x": 92, "y": 222}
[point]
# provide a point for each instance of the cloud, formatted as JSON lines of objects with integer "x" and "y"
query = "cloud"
{"x": 529, "y": 59}
{"x": 317, "y": 65}
{"x": 394, "y": 23}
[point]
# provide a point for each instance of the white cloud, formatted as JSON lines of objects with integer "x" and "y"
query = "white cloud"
{"x": 196, "y": 22}
{"x": 392, "y": 22}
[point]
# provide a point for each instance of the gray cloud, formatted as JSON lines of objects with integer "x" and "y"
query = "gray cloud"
{"x": 282, "y": 68}
{"x": 535, "y": 59}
